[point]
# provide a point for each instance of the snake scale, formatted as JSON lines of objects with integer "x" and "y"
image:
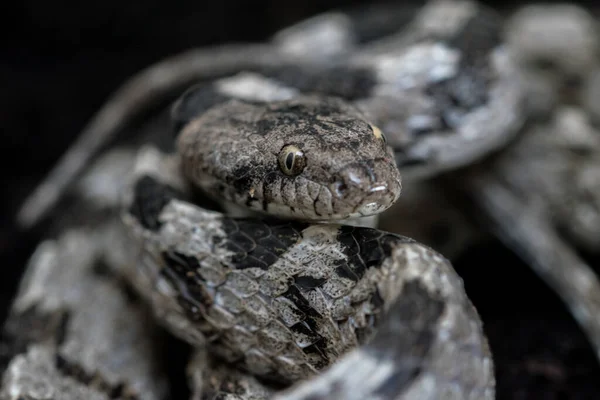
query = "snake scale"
{"x": 350, "y": 311}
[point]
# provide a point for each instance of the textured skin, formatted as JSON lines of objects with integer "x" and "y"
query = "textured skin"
{"x": 284, "y": 300}
{"x": 236, "y": 158}
{"x": 446, "y": 92}
{"x": 300, "y": 319}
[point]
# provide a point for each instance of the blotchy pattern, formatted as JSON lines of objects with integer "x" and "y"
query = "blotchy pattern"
{"x": 446, "y": 89}
{"x": 285, "y": 300}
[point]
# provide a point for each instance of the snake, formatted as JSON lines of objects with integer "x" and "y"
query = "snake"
{"x": 293, "y": 285}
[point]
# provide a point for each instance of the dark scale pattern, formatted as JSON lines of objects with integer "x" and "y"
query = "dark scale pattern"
{"x": 350, "y": 83}
{"x": 308, "y": 327}
{"x": 365, "y": 248}
{"x": 182, "y": 271}
{"x": 459, "y": 95}
{"x": 259, "y": 245}
{"x": 314, "y": 117}
{"x": 308, "y": 282}
{"x": 36, "y": 90}
{"x": 468, "y": 90}
{"x": 149, "y": 199}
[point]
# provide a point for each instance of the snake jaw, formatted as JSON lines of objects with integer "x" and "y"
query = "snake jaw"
{"x": 370, "y": 209}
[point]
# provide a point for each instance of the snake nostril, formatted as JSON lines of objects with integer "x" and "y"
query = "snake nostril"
{"x": 340, "y": 189}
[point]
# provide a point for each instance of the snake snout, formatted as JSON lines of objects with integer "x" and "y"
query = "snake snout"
{"x": 379, "y": 197}
{"x": 368, "y": 189}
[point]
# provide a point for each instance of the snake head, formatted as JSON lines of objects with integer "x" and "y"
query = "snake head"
{"x": 310, "y": 157}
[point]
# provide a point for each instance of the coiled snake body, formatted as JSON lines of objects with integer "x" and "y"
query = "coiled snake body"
{"x": 283, "y": 300}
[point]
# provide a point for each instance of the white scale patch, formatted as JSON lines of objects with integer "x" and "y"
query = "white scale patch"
{"x": 414, "y": 67}
{"x": 254, "y": 87}
{"x": 103, "y": 184}
{"x": 499, "y": 116}
{"x": 189, "y": 228}
{"x": 318, "y": 242}
{"x": 417, "y": 263}
{"x": 63, "y": 260}
{"x": 164, "y": 168}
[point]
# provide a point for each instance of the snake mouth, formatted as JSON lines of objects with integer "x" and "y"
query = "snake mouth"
{"x": 371, "y": 208}
{"x": 359, "y": 195}
{"x": 378, "y": 199}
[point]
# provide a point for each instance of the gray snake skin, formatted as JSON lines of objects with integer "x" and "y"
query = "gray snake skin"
{"x": 284, "y": 300}
{"x": 301, "y": 308}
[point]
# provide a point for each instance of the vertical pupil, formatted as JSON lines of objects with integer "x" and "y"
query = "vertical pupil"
{"x": 289, "y": 160}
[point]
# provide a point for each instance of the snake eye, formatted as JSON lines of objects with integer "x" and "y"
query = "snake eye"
{"x": 378, "y": 134}
{"x": 291, "y": 160}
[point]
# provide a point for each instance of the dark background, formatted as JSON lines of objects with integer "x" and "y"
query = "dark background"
{"x": 60, "y": 60}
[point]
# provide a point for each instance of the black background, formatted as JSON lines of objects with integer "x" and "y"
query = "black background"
{"x": 60, "y": 60}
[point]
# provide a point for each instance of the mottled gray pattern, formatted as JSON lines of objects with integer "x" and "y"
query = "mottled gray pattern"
{"x": 284, "y": 300}
{"x": 231, "y": 151}
{"x": 425, "y": 324}
{"x": 76, "y": 333}
{"x": 299, "y": 137}
{"x": 287, "y": 304}
{"x": 448, "y": 91}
